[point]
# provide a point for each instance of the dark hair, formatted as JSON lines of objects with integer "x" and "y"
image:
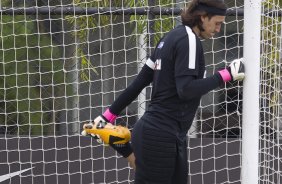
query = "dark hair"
{"x": 192, "y": 15}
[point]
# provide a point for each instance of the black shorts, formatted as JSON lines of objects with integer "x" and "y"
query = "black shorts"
{"x": 161, "y": 156}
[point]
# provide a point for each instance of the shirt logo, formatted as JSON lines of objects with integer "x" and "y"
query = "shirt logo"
{"x": 161, "y": 44}
{"x": 158, "y": 64}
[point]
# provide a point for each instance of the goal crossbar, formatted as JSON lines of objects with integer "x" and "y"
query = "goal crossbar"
{"x": 74, "y": 10}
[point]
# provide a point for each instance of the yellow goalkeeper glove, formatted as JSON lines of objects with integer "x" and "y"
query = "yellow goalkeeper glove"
{"x": 108, "y": 133}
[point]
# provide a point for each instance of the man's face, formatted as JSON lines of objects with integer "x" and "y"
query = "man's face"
{"x": 211, "y": 25}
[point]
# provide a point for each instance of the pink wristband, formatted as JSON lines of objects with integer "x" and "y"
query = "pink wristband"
{"x": 225, "y": 75}
{"x": 110, "y": 116}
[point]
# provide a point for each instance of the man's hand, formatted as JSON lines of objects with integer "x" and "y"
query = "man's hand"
{"x": 108, "y": 133}
{"x": 237, "y": 70}
{"x": 90, "y": 126}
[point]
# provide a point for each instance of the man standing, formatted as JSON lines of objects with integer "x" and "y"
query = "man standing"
{"x": 176, "y": 70}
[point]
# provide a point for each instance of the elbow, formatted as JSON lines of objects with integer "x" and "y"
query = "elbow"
{"x": 183, "y": 95}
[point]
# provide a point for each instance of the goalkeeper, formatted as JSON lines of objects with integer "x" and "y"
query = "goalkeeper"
{"x": 176, "y": 70}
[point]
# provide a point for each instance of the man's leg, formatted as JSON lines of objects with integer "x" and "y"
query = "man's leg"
{"x": 131, "y": 160}
{"x": 155, "y": 153}
{"x": 181, "y": 169}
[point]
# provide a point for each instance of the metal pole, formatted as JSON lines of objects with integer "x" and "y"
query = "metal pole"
{"x": 142, "y": 57}
{"x": 74, "y": 75}
{"x": 250, "y": 126}
{"x": 151, "y": 22}
{"x": 47, "y": 10}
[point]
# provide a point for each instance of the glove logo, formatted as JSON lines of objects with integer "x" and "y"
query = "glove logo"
{"x": 114, "y": 139}
{"x": 234, "y": 66}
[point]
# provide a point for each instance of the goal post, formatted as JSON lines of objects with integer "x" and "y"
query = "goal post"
{"x": 251, "y": 96}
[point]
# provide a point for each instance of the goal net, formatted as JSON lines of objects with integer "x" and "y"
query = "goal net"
{"x": 62, "y": 63}
{"x": 270, "y": 93}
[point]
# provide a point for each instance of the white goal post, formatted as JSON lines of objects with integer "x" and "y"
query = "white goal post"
{"x": 250, "y": 126}
{"x": 62, "y": 63}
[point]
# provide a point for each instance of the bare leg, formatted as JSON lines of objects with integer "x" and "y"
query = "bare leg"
{"x": 131, "y": 160}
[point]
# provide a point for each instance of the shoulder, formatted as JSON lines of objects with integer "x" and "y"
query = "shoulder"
{"x": 171, "y": 39}
{"x": 181, "y": 34}
{"x": 177, "y": 33}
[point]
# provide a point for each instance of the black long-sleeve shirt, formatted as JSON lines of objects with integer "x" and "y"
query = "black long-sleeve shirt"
{"x": 176, "y": 70}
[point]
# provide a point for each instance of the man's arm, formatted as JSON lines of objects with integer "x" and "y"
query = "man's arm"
{"x": 143, "y": 79}
{"x": 188, "y": 87}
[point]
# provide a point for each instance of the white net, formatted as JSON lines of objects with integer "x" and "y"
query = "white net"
{"x": 64, "y": 62}
{"x": 270, "y": 92}
{"x": 214, "y": 148}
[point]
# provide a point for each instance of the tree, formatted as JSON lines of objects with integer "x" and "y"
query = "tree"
{"x": 153, "y": 27}
{"x": 27, "y": 59}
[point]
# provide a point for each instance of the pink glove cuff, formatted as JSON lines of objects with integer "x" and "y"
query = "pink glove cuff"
{"x": 110, "y": 116}
{"x": 225, "y": 75}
